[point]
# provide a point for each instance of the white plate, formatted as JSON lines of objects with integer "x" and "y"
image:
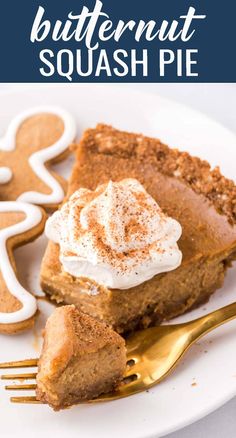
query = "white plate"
{"x": 211, "y": 364}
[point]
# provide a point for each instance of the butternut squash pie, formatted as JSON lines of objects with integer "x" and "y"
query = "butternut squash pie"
{"x": 151, "y": 236}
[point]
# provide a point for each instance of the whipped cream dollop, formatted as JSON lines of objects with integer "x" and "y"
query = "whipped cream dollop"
{"x": 117, "y": 235}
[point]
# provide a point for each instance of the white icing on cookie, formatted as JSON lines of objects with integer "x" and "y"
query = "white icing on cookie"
{"x": 32, "y": 219}
{"x": 38, "y": 159}
{"x": 5, "y": 175}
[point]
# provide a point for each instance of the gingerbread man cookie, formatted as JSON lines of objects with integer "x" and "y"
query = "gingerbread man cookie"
{"x": 20, "y": 223}
{"x": 35, "y": 139}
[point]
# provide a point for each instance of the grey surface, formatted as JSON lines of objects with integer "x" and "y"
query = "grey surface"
{"x": 219, "y": 424}
{"x": 219, "y": 102}
{"x": 216, "y": 100}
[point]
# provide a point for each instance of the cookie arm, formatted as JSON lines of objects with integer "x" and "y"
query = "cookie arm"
{"x": 33, "y": 217}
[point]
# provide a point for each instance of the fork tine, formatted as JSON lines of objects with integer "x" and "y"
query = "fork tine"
{"x": 132, "y": 370}
{"x": 20, "y": 364}
{"x": 26, "y": 399}
{"x": 20, "y": 387}
{"x": 26, "y": 376}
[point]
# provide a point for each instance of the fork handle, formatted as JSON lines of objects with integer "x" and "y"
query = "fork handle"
{"x": 201, "y": 326}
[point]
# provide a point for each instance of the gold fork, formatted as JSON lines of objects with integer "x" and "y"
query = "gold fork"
{"x": 151, "y": 355}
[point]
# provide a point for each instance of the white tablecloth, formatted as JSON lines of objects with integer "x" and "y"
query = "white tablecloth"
{"x": 219, "y": 102}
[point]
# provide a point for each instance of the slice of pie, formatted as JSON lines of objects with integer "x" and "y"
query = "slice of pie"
{"x": 81, "y": 359}
{"x": 200, "y": 199}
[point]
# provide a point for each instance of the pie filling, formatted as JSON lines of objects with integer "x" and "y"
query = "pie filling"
{"x": 81, "y": 359}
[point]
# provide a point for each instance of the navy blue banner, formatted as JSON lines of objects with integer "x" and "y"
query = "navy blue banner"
{"x": 118, "y": 41}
